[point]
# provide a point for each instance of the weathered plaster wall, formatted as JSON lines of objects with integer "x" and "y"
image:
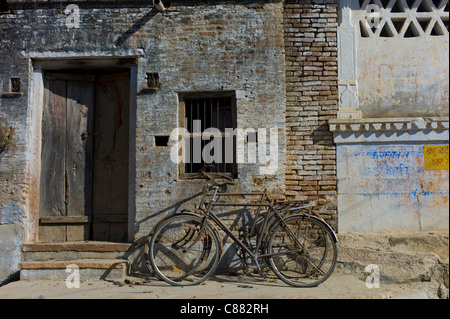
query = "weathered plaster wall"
{"x": 384, "y": 184}
{"x": 194, "y": 46}
{"x": 409, "y": 79}
{"x": 393, "y": 101}
{"x": 11, "y": 236}
{"x": 393, "y": 179}
{"x": 403, "y": 69}
{"x": 224, "y": 47}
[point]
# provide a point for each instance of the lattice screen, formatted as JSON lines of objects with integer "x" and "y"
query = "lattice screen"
{"x": 404, "y": 18}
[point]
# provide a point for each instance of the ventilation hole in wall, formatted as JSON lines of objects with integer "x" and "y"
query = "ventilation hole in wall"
{"x": 386, "y": 32}
{"x": 398, "y": 24}
{"x": 445, "y": 21}
{"x": 398, "y": 7}
{"x": 373, "y": 29}
{"x": 363, "y": 30}
{"x": 361, "y": 2}
{"x": 15, "y": 85}
{"x": 161, "y": 140}
{"x": 153, "y": 81}
{"x": 436, "y": 3}
{"x": 4, "y": 8}
{"x": 410, "y": 3}
{"x": 411, "y": 32}
{"x": 424, "y": 6}
{"x": 437, "y": 30}
{"x": 424, "y": 23}
{"x": 385, "y": 3}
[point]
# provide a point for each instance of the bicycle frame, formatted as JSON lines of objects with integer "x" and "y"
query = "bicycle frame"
{"x": 289, "y": 228}
{"x": 255, "y": 256}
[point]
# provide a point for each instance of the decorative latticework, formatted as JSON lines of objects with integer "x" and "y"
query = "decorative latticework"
{"x": 404, "y": 18}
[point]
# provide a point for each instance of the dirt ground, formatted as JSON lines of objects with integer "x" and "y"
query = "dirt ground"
{"x": 412, "y": 266}
{"x": 220, "y": 287}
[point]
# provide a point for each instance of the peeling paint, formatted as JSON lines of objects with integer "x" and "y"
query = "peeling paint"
{"x": 386, "y": 187}
{"x": 10, "y": 214}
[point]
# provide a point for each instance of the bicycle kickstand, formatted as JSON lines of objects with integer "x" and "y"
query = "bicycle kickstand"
{"x": 259, "y": 268}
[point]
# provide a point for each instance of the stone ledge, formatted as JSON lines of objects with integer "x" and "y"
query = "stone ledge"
{"x": 389, "y": 130}
{"x": 81, "y": 263}
{"x": 84, "y": 246}
{"x": 11, "y": 94}
{"x": 388, "y": 124}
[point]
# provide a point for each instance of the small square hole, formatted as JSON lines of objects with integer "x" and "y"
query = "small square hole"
{"x": 161, "y": 140}
{"x": 15, "y": 85}
{"x": 153, "y": 81}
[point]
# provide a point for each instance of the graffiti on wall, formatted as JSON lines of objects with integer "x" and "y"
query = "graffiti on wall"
{"x": 399, "y": 170}
{"x": 387, "y": 187}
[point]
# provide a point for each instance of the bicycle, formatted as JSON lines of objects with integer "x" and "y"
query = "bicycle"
{"x": 297, "y": 244}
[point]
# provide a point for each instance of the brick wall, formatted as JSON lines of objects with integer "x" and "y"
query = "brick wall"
{"x": 311, "y": 99}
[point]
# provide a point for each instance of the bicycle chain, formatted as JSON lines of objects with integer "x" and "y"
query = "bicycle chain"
{"x": 241, "y": 254}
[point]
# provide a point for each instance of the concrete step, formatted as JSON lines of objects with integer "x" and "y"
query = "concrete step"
{"x": 61, "y": 269}
{"x": 93, "y": 260}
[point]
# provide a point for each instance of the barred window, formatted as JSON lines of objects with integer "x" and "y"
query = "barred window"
{"x": 202, "y": 112}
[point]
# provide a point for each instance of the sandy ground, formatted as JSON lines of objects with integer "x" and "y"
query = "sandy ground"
{"x": 219, "y": 287}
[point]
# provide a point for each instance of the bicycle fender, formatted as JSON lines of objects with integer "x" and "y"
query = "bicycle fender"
{"x": 333, "y": 233}
{"x": 184, "y": 211}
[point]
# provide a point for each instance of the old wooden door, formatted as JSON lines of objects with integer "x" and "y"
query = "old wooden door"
{"x": 66, "y": 159}
{"x": 111, "y": 143}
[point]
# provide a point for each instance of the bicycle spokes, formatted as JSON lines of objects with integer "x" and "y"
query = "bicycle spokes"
{"x": 183, "y": 253}
{"x": 306, "y": 260}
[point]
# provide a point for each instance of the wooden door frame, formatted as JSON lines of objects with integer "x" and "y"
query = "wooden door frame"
{"x": 38, "y": 66}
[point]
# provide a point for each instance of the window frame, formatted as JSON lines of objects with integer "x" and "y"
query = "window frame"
{"x": 182, "y": 174}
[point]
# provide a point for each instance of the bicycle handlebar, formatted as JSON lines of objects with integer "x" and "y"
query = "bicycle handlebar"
{"x": 212, "y": 178}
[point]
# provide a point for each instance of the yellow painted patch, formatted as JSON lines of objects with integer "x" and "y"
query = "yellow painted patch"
{"x": 436, "y": 156}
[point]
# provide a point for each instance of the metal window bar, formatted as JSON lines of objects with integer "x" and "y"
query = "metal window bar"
{"x": 214, "y": 112}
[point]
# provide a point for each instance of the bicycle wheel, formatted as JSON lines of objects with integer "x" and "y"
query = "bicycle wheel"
{"x": 305, "y": 249}
{"x": 180, "y": 254}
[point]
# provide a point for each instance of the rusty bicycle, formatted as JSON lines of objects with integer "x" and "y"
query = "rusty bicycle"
{"x": 294, "y": 241}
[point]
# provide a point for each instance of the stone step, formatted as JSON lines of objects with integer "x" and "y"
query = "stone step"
{"x": 93, "y": 259}
{"x": 61, "y": 269}
{"x": 75, "y": 250}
